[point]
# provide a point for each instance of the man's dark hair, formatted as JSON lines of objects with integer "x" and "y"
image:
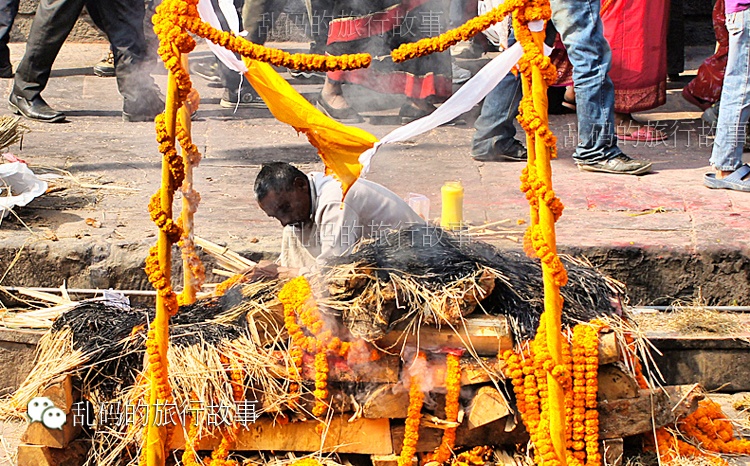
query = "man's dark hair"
{"x": 276, "y": 176}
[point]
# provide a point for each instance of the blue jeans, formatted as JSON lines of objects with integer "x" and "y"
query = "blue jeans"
{"x": 495, "y": 130}
{"x": 581, "y": 30}
{"x": 734, "y": 109}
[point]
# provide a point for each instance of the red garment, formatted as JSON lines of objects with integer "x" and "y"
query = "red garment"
{"x": 637, "y": 34}
{"x": 706, "y": 86}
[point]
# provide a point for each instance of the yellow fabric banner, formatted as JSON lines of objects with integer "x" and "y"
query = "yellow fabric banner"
{"x": 338, "y": 145}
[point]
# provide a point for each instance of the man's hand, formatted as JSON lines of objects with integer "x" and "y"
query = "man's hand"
{"x": 267, "y": 270}
{"x": 262, "y": 270}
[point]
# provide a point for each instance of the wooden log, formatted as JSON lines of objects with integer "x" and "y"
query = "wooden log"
{"x": 363, "y": 436}
{"x": 488, "y": 405}
{"x": 652, "y": 408}
{"x": 61, "y": 392}
{"x": 472, "y": 371}
{"x": 36, "y": 455}
{"x": 389, "y": 460}
{"x": 494, "y": 433}
{"x": 612, "y": 452}
{"x": 487, "y": 335}
{"x": 616, "y": 383}
{"x": 389, "y": 401}
{"x": 338, "y": 400}
{"x": 385, "y": 370}
{"x": 609, "y": 350}
{"x": 37, "y": 434}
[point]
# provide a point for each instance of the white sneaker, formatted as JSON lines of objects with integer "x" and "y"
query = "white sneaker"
{"x": 460, "y": 75}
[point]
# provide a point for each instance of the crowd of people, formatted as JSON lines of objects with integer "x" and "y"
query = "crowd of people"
{"x": 610, "y": 55}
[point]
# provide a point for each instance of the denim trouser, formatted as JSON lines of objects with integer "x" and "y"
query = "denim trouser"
{"x": 495, "y": 131}
{"x": 581, "y": 30}
{"x": 582, "y": 33}
{"x": 734, "y": 109}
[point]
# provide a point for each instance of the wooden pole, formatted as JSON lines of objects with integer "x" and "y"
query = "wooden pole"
{"x": 156, "y": 437}
{"x": 552, "y": 299}
{"x": 188, "y": 291}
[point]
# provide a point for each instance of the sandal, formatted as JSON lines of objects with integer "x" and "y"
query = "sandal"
{"x": 644, "y": 134}
{"x": 739, "y": 180}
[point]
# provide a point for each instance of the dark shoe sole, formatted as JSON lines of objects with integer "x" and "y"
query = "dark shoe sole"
{"x": 13, "y": 108}
{"x": 347, "y": 117}
{"x": 104, "y": 74}
{"x": 229, "y": 104}
{"x": 593, "y": 168}
{"x": 127, "y": 118}
{"x": 498, "y": 158}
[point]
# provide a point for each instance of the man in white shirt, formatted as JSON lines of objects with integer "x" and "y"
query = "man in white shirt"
{"x": 311, "y": 209}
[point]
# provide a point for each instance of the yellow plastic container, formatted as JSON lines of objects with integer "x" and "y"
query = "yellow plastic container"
{"x": 452, "y": 217}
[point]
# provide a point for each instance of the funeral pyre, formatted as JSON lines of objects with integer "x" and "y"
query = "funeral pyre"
{"x": 413, "y": 345}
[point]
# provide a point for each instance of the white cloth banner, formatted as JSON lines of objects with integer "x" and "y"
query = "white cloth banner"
{"x": 207, "y": 14}
{"x": 470, "y": 94}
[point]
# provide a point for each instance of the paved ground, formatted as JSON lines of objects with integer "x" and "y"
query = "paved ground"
{"x": 669, "y": 211}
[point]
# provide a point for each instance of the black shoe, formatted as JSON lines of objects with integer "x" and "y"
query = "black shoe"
{"x": 106, "y": 67}
{"x": 138, "y": 112}
{"x": 516, "y": 153}
{"x": 619, "y": 165}
{"x": 409, "y": 113}
{"x": 36, "y": 109}
{"x": 346, "y": 115}
{"x": 6, "y": 71}
{"x": 206, "y": 69}
{"x": 248, "y": 98}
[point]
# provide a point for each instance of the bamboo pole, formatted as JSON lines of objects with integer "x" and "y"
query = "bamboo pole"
{"x": 552, "y": 299}
{"x": 156, "y": 437}
{"x": 188, "y": 291}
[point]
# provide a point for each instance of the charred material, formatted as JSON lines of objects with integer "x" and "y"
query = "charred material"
{"x": 430, "y": 270}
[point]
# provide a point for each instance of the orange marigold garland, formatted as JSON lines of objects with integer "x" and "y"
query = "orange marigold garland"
{"x": 159, "y": 281}
{"x": 707, "y": 428}
{"x": 190, "y": 456}
{"x": 224, "y": 286}
{"x": 413, "y": 418}
{"x": 577, "y": 374}
{"x": 477, "y": 456}
{"x": 307, "y": 462}
{"x": 174, "y": 19}
{"x": 466, "y": 31}
{"x": 309, "y": 333}
{"x": 453, "y": 390}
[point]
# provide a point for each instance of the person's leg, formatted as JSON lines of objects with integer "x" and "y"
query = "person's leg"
{"x": 676, "y": 40}
{"x": 122, "y": 21}
{"x": 581, "y": 31}
{"x": 53, "y": 22}
{"x": 258, "y": 17}
{"x": 8, "y": 12}
{"x": 494, "y": 138}
{"x": 734, "y": 110}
